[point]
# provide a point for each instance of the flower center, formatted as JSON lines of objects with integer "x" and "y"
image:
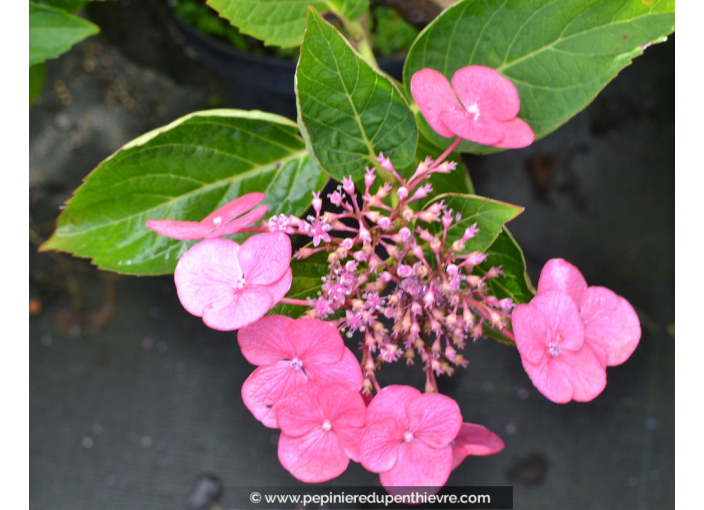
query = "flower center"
{"x": 474, "y": 110}
{"x": 408, "y": 436}
{"x": 238, "y": 284}
{"x": 327, "y": 425}
{"x": 297, "y": 364}
{"x": 553, "y": 350}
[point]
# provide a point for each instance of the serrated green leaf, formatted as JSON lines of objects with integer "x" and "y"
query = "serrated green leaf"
{"x": 515, "y": 282}
{"x": 282, "y": 22}
{"x": 52, "y": 32}
{"x": 37, "y": 75}
{"x": 489, "y": 215}
{"x": 349, "y": 112}
{"x": 183, "y": 171}
{"x": 307, "y": 274}
{"x": 558, "y": 53}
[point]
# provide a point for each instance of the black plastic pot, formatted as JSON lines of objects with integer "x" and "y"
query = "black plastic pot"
{"x": 254, "y": 82}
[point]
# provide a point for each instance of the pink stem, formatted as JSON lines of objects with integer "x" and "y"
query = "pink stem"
{"x": 289, "y": 301}
{"x": 446, "y": 153}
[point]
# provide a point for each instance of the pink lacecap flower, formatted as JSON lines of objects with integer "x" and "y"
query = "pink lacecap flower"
{"x": 550, "y": 339}
{"x": 408, "y": 437}
{"x": 290, "y": 353}
{"x": 231, "y": 286}
{"x": 611, "y": 325}
{"x": 222, "y": 222}
{"x": 321, "y": 425}
{"x": 486, "y": 111}
{"x": 474, "y": 440}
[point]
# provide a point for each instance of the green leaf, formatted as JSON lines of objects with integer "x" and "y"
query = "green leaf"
{"x": 558, "y": 53}
{"x": 515, "y": 282}
{"x": 349, "y": 112}
{"x": 52, "y": 32}
{"x": 490, "y": 216}
{"x": 66, "y": 5}
{"x": 282, "y": 22}
{"x": 183, "y": 171}
{"x": 37, "y": 75}
{"x": 307, "y": 274}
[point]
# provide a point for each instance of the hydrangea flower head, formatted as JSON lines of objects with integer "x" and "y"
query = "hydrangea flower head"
{"x": 611, "y": 325}
{"x": 290, "y": 353}
{"x": 232, "y": 285}
{"x": 550, "y": 339}
{"x": 228, "y": 219}
{"x": 321, "y": 425}
{"x": 408, "y": 437}
{"x": 480, "y": 106}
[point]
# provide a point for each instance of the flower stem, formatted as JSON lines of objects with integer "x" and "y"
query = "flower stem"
{"x": 289, "y": 301}
{"x": 446, "y": 153}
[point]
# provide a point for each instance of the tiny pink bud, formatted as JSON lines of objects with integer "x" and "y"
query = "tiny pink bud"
{"x": 348, "y": 185}
{"x": 369, "y": 177}
{"x": 475, "y": 258}
{"x": 435, "y": 245}
{"x": 404, "y": 234}
{"x": 385, "y": 162}
{"x": 384, "y": 223}
{"x": 493, "y": 272}
{"x": 347, "y": 243}
{"x": 351, "y": 266}
{"x": 470, "y": 232}
{"x": 335, "y": 198}
{"x": 404, "y": 271}
{"x": 402, "y": 193}
{"x": 385, "y": 277}
{"x": 317, "y": 203}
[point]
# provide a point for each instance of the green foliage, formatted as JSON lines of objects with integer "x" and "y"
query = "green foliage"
{"x": 391, "y": 34}
{"x": 306, "y": 284}
{"x": 52, "y": 32}
{"x": 348, "y": 111}
{"x": 280, "y": 23}
{"x": 183, "y": 171}
{"x": 515, "y": 282}
{"x": 37, "y": 75}
{"x": 558, "y": 53}
{"x": 490, "y": 216}
{"x": 67, "y": 5}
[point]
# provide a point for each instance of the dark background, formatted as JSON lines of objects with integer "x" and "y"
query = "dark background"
{"x": 131, "y": 398}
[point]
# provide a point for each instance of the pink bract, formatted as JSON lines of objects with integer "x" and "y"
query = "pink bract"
{"x": 408, "y": 437}
{"x": 474, "y": 440}
{"x": 231, "y": 286}
{"x": 550, "y": 339}
{"x": 321, "y": 425}
{"x": 486, "y": 111}
{"x": 222, "y": 222}
{"x": 290, "y": 353}
{"x": 611, "y": 325}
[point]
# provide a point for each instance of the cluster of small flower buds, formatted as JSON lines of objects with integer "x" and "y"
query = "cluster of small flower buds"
{"x": 394, "y": 274}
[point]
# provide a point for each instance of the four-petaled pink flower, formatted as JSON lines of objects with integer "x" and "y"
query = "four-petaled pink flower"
{"x": 223, "y": 222}
{"x": 550, "y": 339}
{"x": 231, "y": 286}
{"x": 290, "y": 353}
{"x": 408, "y": 437}
{"x": 321, "y": 425}
{"x": 611, "y": 325}
{"x": 474, "y": 439}
{"x": 485, "y": 112}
